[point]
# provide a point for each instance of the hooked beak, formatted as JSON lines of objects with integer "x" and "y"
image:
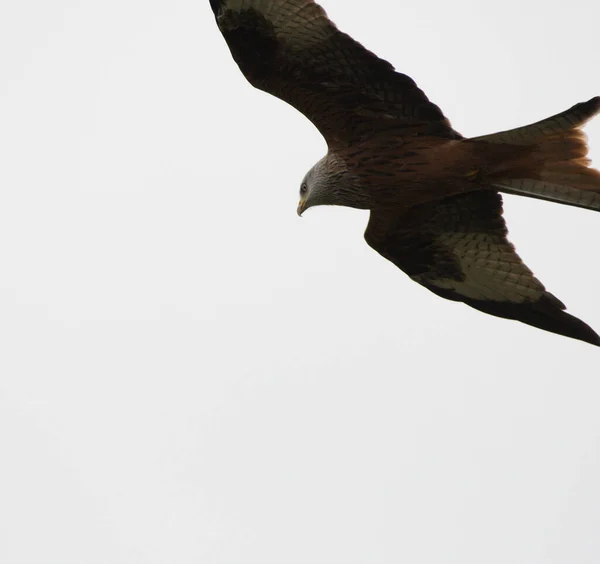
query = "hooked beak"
{"x": 301, "y": 207}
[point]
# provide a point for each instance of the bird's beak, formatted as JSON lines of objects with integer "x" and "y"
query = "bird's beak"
{"x": 301, "y": 207}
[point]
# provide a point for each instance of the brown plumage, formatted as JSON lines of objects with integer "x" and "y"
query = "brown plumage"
{"x": 436, "y": 211}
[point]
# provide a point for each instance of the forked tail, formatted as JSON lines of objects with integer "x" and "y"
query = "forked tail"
{"x": 548, "y": 159}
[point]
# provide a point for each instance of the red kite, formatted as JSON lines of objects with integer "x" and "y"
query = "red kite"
{"x": 433, "y": 195}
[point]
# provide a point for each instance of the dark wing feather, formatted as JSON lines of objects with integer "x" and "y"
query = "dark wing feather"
{"x": 458, "y": 249}
{"x": 290, "y": 49}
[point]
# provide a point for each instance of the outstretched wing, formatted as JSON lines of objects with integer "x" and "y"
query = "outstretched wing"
{"x": 291, "y": 49}
{"x": 458, "y": 249}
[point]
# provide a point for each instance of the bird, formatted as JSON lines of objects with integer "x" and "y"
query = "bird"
{"x": 434, "y": 197}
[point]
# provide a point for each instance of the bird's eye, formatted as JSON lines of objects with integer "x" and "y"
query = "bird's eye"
{"x": 303, "y": 188}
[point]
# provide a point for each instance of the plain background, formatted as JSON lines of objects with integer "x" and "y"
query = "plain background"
{"x": 191, "y": 374}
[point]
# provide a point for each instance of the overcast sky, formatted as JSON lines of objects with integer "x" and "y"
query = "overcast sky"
{"x": 189, "y": 373}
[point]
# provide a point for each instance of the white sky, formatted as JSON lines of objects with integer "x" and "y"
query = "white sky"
{"x": 191, "y": 374}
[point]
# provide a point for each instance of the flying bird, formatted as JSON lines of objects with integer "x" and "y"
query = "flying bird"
{"x": 434, "y": 196}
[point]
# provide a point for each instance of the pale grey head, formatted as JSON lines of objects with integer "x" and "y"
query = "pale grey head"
{"x": 329, "y": 183}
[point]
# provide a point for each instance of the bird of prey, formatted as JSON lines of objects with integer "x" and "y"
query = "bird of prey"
{"x": 433, "y": 195}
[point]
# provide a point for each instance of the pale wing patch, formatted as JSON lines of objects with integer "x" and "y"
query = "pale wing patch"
{"x": 490, "y": 267}
{"x": 458, "y": 245}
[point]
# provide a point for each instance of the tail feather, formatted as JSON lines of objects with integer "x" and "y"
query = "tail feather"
{"x": 569, "y": 120}
{"x": 560, "y": 193}
{"x": 548, "y": 159}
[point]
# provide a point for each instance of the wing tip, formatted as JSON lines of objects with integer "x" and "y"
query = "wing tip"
{"x": 577, "y": 329}
{"x": 586, "y": 333}
{"x": 216, "y": 6}
{"x": 546, "y": 314}
{"x": 556, "y": 320}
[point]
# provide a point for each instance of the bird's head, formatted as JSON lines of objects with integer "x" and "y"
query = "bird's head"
{"x": 325, "y": 185}
{"x": 311, "y": 189}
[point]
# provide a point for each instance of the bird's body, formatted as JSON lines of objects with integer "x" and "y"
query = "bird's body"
{"x": 406, "y": 171}
{"x": 436, "y": 211}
